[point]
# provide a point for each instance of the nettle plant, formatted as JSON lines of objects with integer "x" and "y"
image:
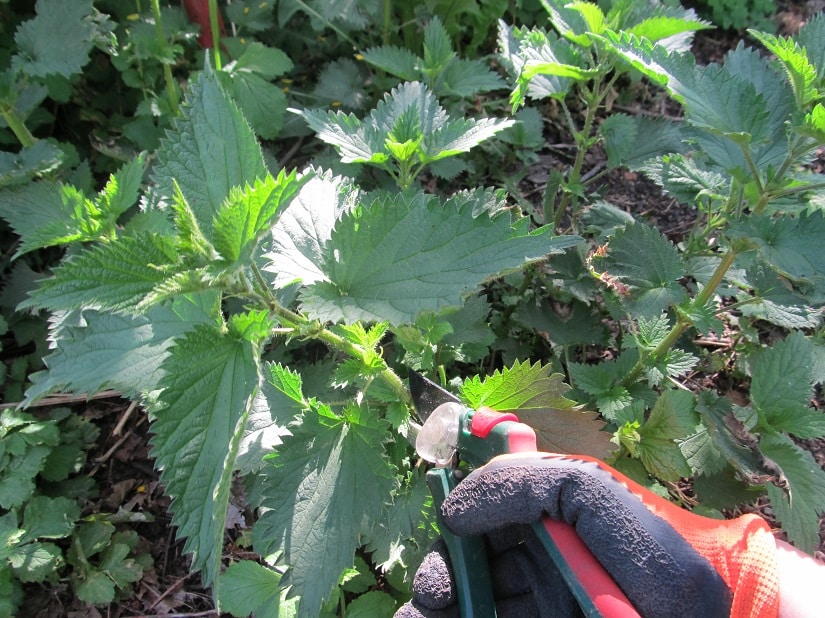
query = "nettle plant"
{"x": 206, "y": 303}
{"x": 740, "y": 155}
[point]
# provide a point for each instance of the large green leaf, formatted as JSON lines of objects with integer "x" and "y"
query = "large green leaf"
{"x": 210, "y": 378}
{"x": 210, "y": 149}
{"x": 798, "y": 506}
{"x": 648, "y": 264}
{"x": 406, "y": 253}
{"x": 672, "y": 418}
{"x": 329, "y": 482}
{"x": 57, "y": 41}
{"x": 792, "y": 246}
{"x": 782, "y": 383}
{"x": 411, "y": 109}
{"x": 115, "y": 275}
{"x": 305, "y": 227}
{"x": 247, "y": 214}
{"x": 98, "y": 350}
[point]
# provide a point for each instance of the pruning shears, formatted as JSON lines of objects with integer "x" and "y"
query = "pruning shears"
{"x": 452, "y": 432}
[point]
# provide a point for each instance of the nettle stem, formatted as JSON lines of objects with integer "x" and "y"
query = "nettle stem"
{"x": 216, "y": 32}
{"x": 302, "y": 326}
{"x": 171, "y": 89}
{"x": 19, "y": 128}
{"x": 682, "y": 322}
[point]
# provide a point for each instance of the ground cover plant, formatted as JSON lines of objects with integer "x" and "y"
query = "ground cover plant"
{"x": 265, "y": 314}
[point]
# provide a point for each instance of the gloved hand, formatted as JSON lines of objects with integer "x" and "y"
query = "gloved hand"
{"x": 666, "y": 560}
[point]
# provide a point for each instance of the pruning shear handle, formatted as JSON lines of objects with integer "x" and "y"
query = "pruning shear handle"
{"x": 476, "y": 436}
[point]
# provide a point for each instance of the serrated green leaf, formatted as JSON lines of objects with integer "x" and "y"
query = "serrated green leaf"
{"x": 716, "y": 413}
{"x": 661, "y": 27}
{"x": 656, "y": 62}
{"x": 116, "y": 275}
{"x": 672, "y": 418}
{"x": 703, "y": 317}
{"x": 44, "y": 214}
{"x": 347, "y": 134}
{"x": 397, "y": 61}
{"x": 782, "y": 384}
{"x": 544, "y": 64}
{"x": 373, "y": 604}
{"x": 447, "y": 252}
{"x": 520, "y": 387}
{"x": 648, "y": 264}
{"x": 792, "y": 246}
{"x": 683, "y": 178}
{"x": 304, "y": 228}
{"x": 249, "y": 213}
{"x": 57, "y": 41}
{"x": 210, "y": 149}
{"x": 799, "y": 510}
{"x": 652, "y": 331}
{"x": 411, "y": 105}
{"x": 438, "y": 50}
{"x": 122, "y": 190}
{"x": 117, "y": 351}
{"x": 248, "y": 587}
{"x": 457, "y": 136}
{"x": 262, "y": 103}
{"x": 330, "y": 478}
{"x": 794, "y": 60}
{"x": 21, "y": 167}
{"x": 208, "y": 385}
{"x": 701, "y": 452}
{"x": 811, "y": 37}
{"x": 465, "y": 78}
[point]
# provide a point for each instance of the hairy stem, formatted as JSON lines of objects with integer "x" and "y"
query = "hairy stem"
{"x": 682, "y": 322}
{"x": 19, "y": 128}
{"x": 171, "y": 90}
{"x": 216, "y": 32}
{"x": 301, "y": 324}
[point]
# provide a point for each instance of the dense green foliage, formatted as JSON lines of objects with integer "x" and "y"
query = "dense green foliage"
{"x": 262, "y": 316}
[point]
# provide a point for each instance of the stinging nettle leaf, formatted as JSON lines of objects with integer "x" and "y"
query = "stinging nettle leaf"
{"x": 57, "y": 41}
{"x": 329, "y": 482}
{"x": 447, "y": 252}
{"x": 800, "y": 508}
{"x": 247, "y": 214}
{"x": 210, "y": 149}
{"x": 116, "y": 275}
{"x": 305, "y": 227}
{"x": 210, "y": 378}
{"x": 649, "y": 264}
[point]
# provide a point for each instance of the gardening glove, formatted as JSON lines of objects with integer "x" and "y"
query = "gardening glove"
{"x": 666, "y": 560}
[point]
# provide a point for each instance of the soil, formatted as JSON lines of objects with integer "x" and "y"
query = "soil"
{"x": 126, "y": 477}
